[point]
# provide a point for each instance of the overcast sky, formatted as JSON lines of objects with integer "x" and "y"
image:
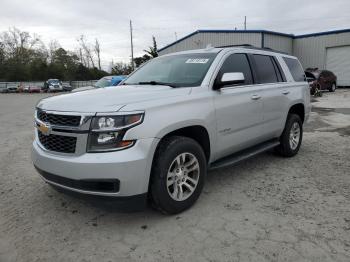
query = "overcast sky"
{"x": 108, "y": 20}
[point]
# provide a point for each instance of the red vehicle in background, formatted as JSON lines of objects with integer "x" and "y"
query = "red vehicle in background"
{"x": 34, "y": 89}
{"x": 321, "y": 80}
{"x": 29, "y": 88}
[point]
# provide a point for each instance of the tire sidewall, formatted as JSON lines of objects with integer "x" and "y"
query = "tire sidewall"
{"x": 159, "y": 174}
{"x": 285, "y": 137}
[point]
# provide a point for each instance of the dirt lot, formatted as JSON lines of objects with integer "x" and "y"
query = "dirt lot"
{"x": 265, "y": 209}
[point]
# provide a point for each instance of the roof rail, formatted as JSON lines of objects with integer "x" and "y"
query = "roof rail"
{"x": 253, "y": 47}
{"x": 242, "y": 45}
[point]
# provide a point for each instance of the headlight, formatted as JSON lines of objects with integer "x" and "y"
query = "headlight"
{"x": 107, "y": 132}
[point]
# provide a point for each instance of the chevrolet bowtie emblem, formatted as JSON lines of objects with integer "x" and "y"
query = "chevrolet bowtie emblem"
{"x": 44, "y": 129}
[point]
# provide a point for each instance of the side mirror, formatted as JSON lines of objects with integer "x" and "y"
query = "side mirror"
{"x": 228, "y": 79}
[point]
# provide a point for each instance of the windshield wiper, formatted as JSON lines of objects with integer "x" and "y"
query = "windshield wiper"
{"x": 156, "y": 83}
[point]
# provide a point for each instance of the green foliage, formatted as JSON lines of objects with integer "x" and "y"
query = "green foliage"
{"x": 150, "y": 53}
{"x": 142, "y": 59}
{"x": 153, "y": 50}
{"x": 121, "y": 69}
{"x": 23, "y": 57}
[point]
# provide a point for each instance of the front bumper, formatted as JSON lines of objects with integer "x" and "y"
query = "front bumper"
{"x": 130, "y": 167}
{"x": 57, "y": 89}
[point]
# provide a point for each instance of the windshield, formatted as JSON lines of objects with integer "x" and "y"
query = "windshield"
{"x": 54, "y": 81}
{"x": 103, "y": 82}
{"x": 177, "y": 70}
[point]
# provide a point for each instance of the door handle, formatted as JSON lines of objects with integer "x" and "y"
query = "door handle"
{"x": 285, "y": 92}
{"x": 256, "y": 97}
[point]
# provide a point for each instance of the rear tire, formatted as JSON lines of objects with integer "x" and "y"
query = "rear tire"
{"x": 178, "y": 174}
{"x": 292, "y": 136}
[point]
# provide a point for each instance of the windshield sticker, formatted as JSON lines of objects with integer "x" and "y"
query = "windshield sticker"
{"x": 197, "y": 61}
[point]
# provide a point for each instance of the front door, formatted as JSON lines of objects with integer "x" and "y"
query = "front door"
{"x": 238, "y": 108}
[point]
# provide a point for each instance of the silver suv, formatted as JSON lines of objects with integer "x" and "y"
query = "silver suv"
{"x": 155, "y": 136}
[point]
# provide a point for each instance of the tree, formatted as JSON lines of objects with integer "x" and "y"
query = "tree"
{"x": 2, "y": 61}
{"x": 53, "y": 46}
{"x": 142, "y": 59}
{"x": 24, "y": 57}
{"x": 153, "y": 50}
{"x": 150, "y": 53}
{"x": 98, "y": 52}
{"x": 87, "y": 50}
{"x": 19, "y": 50}
{"x": 121, "y": 69}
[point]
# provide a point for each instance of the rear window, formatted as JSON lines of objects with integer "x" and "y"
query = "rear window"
{"x": 265, "y": 69}
{"x": 295, "y": 69}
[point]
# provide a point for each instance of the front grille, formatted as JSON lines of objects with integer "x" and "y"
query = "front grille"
{"x": 59, "y": 120}
{"x": 62, "y": 144}
{"x": 96, "y": 185}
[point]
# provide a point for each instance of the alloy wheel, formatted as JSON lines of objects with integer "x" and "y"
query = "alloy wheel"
{"x": 294, "y": 136}
{"x": 183, "y": 176}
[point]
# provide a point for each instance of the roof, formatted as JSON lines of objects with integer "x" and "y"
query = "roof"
{"x": 256, "y": 31}
{"x": 324, "y": 33}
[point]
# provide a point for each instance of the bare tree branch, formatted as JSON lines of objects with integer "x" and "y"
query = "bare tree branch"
{"x": 98, "y": 52}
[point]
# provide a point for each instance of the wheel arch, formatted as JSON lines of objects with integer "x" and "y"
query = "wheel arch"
{"x": 196, "y": 131}
{"x": 298, "y": 109}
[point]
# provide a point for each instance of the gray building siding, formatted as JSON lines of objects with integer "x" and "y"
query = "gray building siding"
{"x": 280, "y": 43}
{"x": 202, "y": 39}
{"x": 312, "y": 50}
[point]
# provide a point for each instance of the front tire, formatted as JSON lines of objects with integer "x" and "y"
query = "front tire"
{"x": 292, "y": 136}
{"x": 333, "y": 88}
{"x": 178, "y": 174}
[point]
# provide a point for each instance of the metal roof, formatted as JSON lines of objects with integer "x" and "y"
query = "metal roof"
{"x": 324, "y": 33}
{"x": 257, "y": 31}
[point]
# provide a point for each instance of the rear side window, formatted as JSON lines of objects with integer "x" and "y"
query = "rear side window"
{"x": 238, "y": 63}
{"x": 265, "y": 69}
{"x": 295, "y": 69}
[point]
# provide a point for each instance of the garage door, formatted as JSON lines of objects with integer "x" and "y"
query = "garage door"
{"x": 338, "y": 61}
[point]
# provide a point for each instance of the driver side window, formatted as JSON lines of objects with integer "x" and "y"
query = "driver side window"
{"x": 237, "y": 63}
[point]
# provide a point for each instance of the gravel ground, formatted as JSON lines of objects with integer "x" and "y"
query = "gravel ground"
{"x": 265, "y": 209}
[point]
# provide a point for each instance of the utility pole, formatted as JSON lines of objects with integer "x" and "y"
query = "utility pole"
{"x": 245, "y": 22}
{"x": 132, "y": 47}
{"x": 175, "y": 36}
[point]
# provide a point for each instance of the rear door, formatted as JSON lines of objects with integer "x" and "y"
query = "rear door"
{"x": 274, "y": 92}
{"x": 238, "y": 108}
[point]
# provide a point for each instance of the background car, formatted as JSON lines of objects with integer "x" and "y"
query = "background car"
{"x": 67, "y": 87}
{"x": 321, "y": 80}
{"x": 32, "y": 89}
{"x": 10, "y": 88}
{"x": 53, "y": 85}
{"x": 103, "y": 82}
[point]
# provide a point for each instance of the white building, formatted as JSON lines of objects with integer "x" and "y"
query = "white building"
{"x": 326, "y": 50}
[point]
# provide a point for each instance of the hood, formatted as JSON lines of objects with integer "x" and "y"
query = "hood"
{"x": 83, "y": 88}
{"x": 109, "y": 99}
